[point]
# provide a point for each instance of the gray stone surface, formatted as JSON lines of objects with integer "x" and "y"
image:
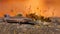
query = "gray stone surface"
{"x": 6, "y": 28}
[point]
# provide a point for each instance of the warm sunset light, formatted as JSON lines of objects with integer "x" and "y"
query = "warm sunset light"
{"x": 29, "y": 16}
{"x": 45, "y": 8}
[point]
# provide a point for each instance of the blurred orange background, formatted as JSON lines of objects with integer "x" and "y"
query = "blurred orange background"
{"x": 47, "y": 8}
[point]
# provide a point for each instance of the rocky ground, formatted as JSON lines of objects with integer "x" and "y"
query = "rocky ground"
{"x": 7, "y": 28}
